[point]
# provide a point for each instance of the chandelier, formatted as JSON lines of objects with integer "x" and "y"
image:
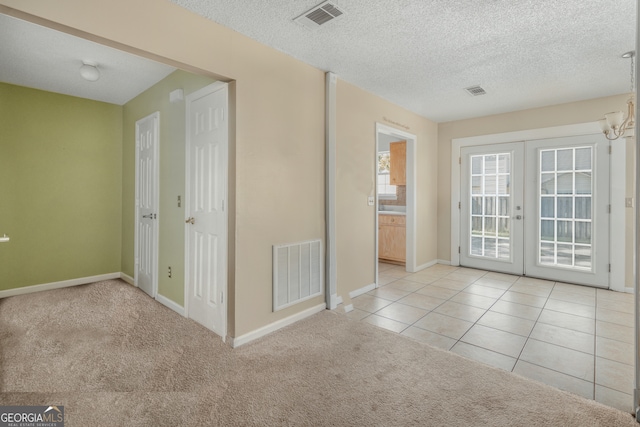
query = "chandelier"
{"x": 615, "y": 125}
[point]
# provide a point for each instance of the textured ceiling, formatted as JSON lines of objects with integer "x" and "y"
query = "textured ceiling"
{"x": 42, "y": 58}
{"x": 420, "y": 54}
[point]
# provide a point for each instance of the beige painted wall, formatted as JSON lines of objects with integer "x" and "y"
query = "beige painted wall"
{"x": 557, "y": 115}
{"x": 357, "y": 114}
{"x": 279, "y": 130}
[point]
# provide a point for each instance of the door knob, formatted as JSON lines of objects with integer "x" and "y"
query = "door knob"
{"x": 518, "y": 216}
{"x": 191, "y": 220}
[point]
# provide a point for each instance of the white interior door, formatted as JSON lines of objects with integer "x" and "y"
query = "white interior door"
{"x": 491, "y": 207}
{"x": 538, "y": 208}
{"x": 147, "y": 178}
{"x": 206, "y": 232}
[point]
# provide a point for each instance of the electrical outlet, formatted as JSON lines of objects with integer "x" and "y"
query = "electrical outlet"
{"x": 179, "y": 201}
{"x": 371, "y": 200}
{"x": 628, "y": 202}
{"x": 169, "y": 272}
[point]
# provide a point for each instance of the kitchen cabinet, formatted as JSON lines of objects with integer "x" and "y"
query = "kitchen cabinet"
{"x": 392, "y": 238}
{"x": 398, "y": 163}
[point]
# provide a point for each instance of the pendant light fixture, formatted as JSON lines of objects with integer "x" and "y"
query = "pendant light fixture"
{"x": 615, "y": 125}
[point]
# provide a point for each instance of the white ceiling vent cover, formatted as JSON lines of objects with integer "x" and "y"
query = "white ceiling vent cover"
{"x": 319, "y": 15}
{"x": 475, "y": 90}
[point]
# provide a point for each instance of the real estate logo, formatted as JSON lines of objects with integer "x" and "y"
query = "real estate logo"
{"x": 31, "y": 416}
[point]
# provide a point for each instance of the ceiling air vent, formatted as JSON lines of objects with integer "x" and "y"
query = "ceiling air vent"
{"x": 319, "y": 15}
{"x": 475, "y": 90}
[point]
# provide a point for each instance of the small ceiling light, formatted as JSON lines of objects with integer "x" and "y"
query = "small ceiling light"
{"x": 615, "y": 125}
{"x": 89, "y": 71}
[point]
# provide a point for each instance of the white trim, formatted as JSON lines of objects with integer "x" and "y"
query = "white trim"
{"x": 128, "y": 279}
{"x": 171, "y": 304}
{"x": 348, "y": 308}
{"x": 617, "y": 218}
{"x": 412, "y": 144}
{"x": 427, "y": 265}
{"x": 629, "y": 290}
{"x": 443, "y": 262}
{"x": 338, "y": 300}
{"x": 362, "y": 290}
{"x": 331, "y": 262}
{"x": 57, "y": 285}
{"x": 590, "y": 128}
{"x": 272, "y": 327}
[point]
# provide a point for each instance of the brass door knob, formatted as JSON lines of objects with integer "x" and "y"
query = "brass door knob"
{"x": 191, "y": 220}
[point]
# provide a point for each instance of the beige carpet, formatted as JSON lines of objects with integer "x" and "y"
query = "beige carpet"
{"x": 114, "y": 357}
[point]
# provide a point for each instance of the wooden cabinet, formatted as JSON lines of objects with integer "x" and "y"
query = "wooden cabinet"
{"x": 398, "y": 163}
{"x": 392, "y": 238}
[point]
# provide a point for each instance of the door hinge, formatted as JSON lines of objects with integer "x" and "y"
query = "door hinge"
{"x": 459, "y": 160}
{"x": 459, "y": 205}
{"x": 222, "y": 205}
{"x": 608, "y": 208}
{"x": 221, "y": 297}
{"x": 458, "y": 249}
{"x": 610, "y": 149}
{"x": 609, "y": 268}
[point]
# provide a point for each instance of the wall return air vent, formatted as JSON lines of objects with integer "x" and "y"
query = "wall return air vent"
{"x": 475, "y": 90}
{"x": 319, "y": 15}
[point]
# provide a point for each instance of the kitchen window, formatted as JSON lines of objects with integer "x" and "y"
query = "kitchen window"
{"x": 386, "y": 191}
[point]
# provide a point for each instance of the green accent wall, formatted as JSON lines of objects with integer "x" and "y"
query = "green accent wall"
{"x": 172, "y": 178}
{"x": 60, "y": 187}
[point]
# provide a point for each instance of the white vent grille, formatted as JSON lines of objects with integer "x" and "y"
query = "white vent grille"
{"x": 297, "y": 273}
{"x": 475, "y": 90}
{"x": 319, "y": 15}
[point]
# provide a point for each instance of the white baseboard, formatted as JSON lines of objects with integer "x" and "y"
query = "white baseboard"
{"x": 130, "y": 280}
{"x": 272, "y": 327}
{"x": 171, "y": 304}
{"x": 58, "y": 285}
{"x": 629, "y": 290}
{"x": 348, "y": 308}
{"x": 443, "y": 262}
{"x": 362, "y": 290}
{"x": 426, "y": 265}
{"x": 336, "y": 300}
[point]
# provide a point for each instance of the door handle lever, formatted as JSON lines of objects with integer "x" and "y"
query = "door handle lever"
{"x": 191, "y": 220}
{"x": 150, "y": 216}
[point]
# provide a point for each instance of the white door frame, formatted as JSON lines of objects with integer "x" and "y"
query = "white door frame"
{"x": 617, "y": 194}
{"x": 156, "y": 176}
{"x": 412, "y": 143}
{"x": 195, "y": 95}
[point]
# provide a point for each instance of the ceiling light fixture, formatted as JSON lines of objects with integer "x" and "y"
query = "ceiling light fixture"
{"x": 89, "y": 71}
{"x": 615, "y": 125}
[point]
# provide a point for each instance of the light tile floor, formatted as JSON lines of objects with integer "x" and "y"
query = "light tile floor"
{"x": 575, "y": 338}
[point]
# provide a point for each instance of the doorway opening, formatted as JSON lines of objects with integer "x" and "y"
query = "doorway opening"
{"x": 395, "y": 197}
{"x": 537, "y": 208}
{"x": 610, "y": 207}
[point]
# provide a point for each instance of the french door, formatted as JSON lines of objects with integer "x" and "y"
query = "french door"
{"x": 538, "y": 208}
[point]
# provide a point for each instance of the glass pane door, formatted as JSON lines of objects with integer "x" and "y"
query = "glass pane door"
{"x": 568, "y": 222}
{"x": 491, "y": 234}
